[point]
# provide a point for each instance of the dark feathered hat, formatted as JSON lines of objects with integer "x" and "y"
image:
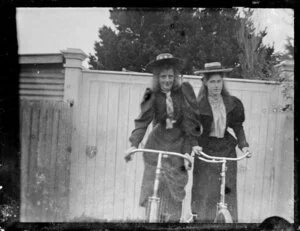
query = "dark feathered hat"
{"x": 164, "y": 58}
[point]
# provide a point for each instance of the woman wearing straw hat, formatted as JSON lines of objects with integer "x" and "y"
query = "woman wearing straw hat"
{"x": 167, "y": 105}
{"x": 218, "y": 111}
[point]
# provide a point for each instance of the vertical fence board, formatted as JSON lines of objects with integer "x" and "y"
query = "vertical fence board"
{"x": 32, "y": 185}
{"x": 25, "y": 144}
{"x": 272, "y": 150}
{"x": 91, "y": 143}
{"x": 126, "y": 133}
{"x": 58, "y": 169}
{"x": 30, "y": 203}
{"x": 101, "y": 146}
{"x": 74, "y": 165}
{"x": 111, "y": 151}
{"x": 278, "y": 152}
{"x": 134, "y": 103}
{"x": 81, "y": 183}
{"x": 249, "y": 189}
{"x": 286, "y": 180}
{"x": 129, "y": 123}
{"x": 47, "y": 162}
{"x": 41, "y": 167}
{"x": 121, "y": 147}
{"x": 266, "y": 154}
{"x": 260, "y": 200}
{"x": 243, "y": 165}
{"x": 62, "y": 182}
{"x": 53, "y": 161}
{"x": 139, "y": 212}
{"x": 68, "y": 147}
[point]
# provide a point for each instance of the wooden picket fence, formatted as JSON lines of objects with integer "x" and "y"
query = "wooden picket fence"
{"x": 103, "y": 186}
{"x": 46, "y": 128}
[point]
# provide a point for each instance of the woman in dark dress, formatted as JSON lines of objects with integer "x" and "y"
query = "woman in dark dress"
{"x": 218, "y": 111}
{"x": 167, "y": 105}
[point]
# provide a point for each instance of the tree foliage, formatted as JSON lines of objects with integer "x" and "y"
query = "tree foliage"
{"x": 256, "y": 60}
{"x": 195, "y": 35}
{"x": 289, "y": 46}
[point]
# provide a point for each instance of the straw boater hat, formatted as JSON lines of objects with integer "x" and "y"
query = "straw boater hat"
{"x": 164, "y": 58}
{"x": 213, "y": 68}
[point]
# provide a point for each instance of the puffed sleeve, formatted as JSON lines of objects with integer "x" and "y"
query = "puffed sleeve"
{"x": 191, "y": 123}
{"x": 236, "y": 123}
{"x": 144, "y": 119}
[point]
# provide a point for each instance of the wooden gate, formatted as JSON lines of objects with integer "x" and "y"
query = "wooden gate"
{"x": 46, "y": 128}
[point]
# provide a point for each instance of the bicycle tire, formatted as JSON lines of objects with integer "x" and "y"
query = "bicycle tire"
{"x": 223, "y": 216}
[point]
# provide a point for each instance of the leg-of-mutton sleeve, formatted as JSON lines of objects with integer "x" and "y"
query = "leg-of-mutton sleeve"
{"x": 191, "y": 124}
{"x": 236, "y": 123}
{"x": 144, "y": 119}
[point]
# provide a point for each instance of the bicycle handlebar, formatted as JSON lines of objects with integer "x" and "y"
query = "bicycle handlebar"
{"x": 210, "y": 161}
{"x": 218, "y": 159}
{"x": 127, "y": 157}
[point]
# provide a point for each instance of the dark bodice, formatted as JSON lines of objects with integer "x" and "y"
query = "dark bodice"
{"x": 153, "y": 109}
{"x": 235, "y": 117}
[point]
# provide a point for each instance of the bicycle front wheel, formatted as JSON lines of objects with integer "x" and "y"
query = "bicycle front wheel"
{"x": 223, "y": 216}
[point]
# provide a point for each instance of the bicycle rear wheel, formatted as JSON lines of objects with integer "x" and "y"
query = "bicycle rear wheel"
{"x": 223, "y": 216}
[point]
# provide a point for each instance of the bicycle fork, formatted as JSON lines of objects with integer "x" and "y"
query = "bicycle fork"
{"x": 153, "y": 202}
{"x": 222, "y": 204}
{"x": 222, "y": 210}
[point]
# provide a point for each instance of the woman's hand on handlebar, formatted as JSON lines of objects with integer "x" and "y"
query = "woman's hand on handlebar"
{"x": 197, "y": 149}
{"x": 246, "y": 150}
{"x": 129, "y": 150}
{"x": 187, "y": 164}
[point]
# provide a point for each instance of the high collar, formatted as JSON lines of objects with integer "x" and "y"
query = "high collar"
{"x": 172, "y": 91}
{"x": 205, "y": 108}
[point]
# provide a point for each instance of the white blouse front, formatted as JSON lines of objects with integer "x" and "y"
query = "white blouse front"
{"x": 219, "y": 114}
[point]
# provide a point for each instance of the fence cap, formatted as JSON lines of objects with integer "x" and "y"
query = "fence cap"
{"x": 74, "y": 53}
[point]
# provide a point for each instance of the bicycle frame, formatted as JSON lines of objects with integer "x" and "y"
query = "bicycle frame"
{"x": 154, "y": 200}
{"x": 221, "y": 206}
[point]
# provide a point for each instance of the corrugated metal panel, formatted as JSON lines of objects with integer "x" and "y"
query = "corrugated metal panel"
{"x": 41, "y": 81}
{"x": 105, "y": 187}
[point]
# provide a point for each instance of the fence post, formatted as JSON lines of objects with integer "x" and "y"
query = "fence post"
{"x": 73, "y": 87}
{"x": 285, "y": 190}
{"x": 73, "y": 74}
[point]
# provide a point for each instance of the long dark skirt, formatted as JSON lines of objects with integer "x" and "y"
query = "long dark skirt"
{"x": 173, "y": 176}
{"x": 206, "y": 181}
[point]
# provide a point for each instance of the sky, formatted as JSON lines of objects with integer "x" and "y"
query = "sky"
{"x": 50, "y": 30}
